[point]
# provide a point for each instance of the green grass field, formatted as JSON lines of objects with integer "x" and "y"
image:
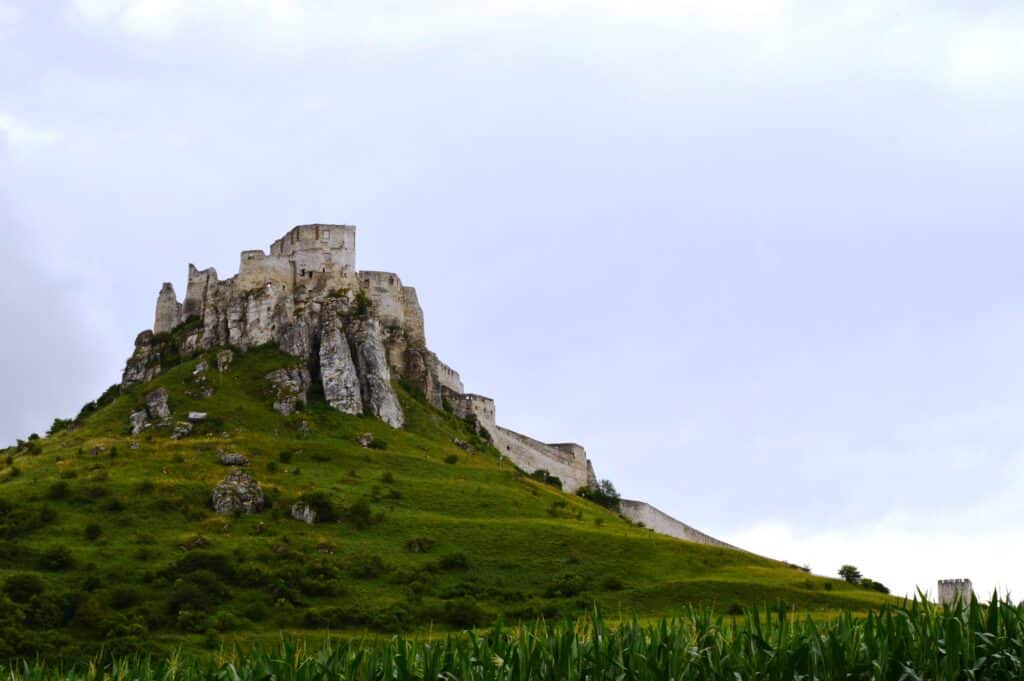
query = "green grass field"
{"x": 100, "y": 542}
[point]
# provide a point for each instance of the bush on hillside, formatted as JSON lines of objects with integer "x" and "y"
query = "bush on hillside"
{"x": 603, "y": 494}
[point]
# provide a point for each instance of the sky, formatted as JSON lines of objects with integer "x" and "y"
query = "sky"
{"x": 761, "y": 258}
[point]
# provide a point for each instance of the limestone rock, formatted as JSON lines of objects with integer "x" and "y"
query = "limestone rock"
{"x": 138, "y": 421}
{"x": 337, "y": 371}
{"x": 224, "y": 359}
{"x": 304, "y": 512}
{"x": 365, "y": 440}
{"x": 168, "y": 310}
{"x": 144, "y": 364}
{"x": 181, "y": 429}
{"x": 200, "y": 368}
{"x": 232, "y": 459}
{"x": 238, "y": 493}
{"x": 374, "y": 374}
{"x": 197, "y": 416}
{"x": 288, "y": 388}
{"x": 156, "y": 404}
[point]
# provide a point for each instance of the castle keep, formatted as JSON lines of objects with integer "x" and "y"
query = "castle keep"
{"x": 356, "y": 331}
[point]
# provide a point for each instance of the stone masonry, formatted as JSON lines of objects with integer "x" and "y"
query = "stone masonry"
{"x": 354, "y": 333}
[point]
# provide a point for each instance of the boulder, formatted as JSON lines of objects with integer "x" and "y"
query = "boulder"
{"x": 238, "y": 493}
{"x": 288, "y": 388}
{"x": 181, "y": 429}
{"x": 197, "y": 416}
{"x": 304, "y": 512}
{"x": 232, "y": 459}
{"x": 156, "y": 404}
{"x": 365, "y": 440}
{"x": 200, "y": 368}
{"x": 138, "y": 420}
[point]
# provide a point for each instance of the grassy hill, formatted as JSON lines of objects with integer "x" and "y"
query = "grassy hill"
{"x": 105, "y": 537}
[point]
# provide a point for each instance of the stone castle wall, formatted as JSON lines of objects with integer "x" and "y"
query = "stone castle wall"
{"x": 952, "y": 590}
{"x": 661, "y": 522}
{"x": 303, "y": 295}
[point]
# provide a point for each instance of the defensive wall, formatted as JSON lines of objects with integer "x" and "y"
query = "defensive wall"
{"x": 663, "y": 523}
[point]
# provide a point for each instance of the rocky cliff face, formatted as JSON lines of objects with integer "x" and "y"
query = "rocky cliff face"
{"x": 354, "y": 332}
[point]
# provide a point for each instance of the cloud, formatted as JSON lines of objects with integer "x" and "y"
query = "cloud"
{"x": 910, "y": 551}
{"x": 23, "y": 137}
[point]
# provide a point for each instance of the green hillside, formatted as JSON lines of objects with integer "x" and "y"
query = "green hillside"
{"x": 105, "y": 537}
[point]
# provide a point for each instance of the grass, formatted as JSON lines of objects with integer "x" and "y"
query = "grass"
{"x": 90, "y": 516}
{"x": 909, "y": 641}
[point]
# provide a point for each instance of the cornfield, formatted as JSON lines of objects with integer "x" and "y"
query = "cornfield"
{"x": 916, "y": 640}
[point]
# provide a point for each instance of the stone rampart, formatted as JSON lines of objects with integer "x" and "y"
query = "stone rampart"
{"x": 952, "y": 590}
{"x": 532, "y": 455}
{"x": 663, "y": 523}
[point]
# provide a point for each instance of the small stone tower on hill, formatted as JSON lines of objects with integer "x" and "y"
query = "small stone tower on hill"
{"x": 950, "y": 590}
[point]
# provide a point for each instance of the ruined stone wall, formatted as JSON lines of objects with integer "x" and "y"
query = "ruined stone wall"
{"x": 532, "y": 455}
{"x": 387, "y": 293}
{"x": 661, "y": 522}
{"x": 951, "y": 590}
{"x": 478, "y": 406}
{"x": 338, "y": 238}
{"x": 446, "y": 376}
{"x": 257, "y": 269}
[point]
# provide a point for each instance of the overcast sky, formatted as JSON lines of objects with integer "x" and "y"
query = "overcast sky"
{"x": 763, "y": 259}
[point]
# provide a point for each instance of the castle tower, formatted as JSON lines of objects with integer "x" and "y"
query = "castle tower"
{"x": 952, "y": 590}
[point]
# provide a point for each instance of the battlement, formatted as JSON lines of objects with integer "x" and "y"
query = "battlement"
{"x": 316, "y": 237}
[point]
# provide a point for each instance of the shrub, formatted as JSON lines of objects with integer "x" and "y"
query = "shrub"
{"x": 377, "y": 444}
{"x": 124, "y": 597}
{"x": 272, "y": 467}
{"x": 285, "y": 456}
{"x": 367, "y": 567}
{"x": 451, "y": 458}
{"x": 542, "y": 475}
{"x": 58, "y": 490}
{"x": 21, "y": 588}
{"x": 567, "y": 585}
{"x": 326, "y": 512}
{"x": 387, "y": 478}
{"x": 56, "y": 559}
{"x": 465, "y": 612}
{"x": 603, "y": 494}
{"x": 360, "y": 514}
{"x": 613, "y": 584}
{"x": 453, "y": 561}
{"x": 93, "y": 531}
{"x": 419, "y": 545}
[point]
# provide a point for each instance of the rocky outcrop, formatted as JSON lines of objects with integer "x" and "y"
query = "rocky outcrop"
{"x": 224, "y": 359}
{"x": 168, "y": 310}
{"x": 181, "y": 429}
{"x": 337, "y": 370}
{"x": 233, "y": 459}
{"x": 144, "y": 364}
{"x": 238, "y": 494}
{"x": 304, "y": 512}
{"x": 288, "y": 389}
{"x": 138, "y": 421}
{"x": 374, "y": 374}
{"x": 157, "y": 405}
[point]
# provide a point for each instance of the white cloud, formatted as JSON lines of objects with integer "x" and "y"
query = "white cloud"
{"x": 22, "y": 137}
{"x": 910, "y": 551}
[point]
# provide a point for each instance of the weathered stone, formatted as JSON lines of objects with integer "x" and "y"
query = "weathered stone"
{"x": 156, "y": 404}
{"x": 233, "y": 459}
{"x": 288, "y": 388}
{"x": 168, "y": 310}
{"x": 224, "y": 359}
{"x": 144, "y": 364}
{"x": 375, "y": 377}
{"x": 134, "y": 445}
{"x": 196, "y": 542}
{"x": 366, "y": 439}
{"x": 238, "y": 493}
{"x": 337, "y": 370}
{"x": 138, "y": 420}
{"x": 304, "y": 512}
{"x": 197, "y": 416}
{"x": 200, "y": 368}
{"x": 181, "y": 429}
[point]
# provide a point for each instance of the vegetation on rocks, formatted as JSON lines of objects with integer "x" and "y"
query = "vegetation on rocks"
{"x": 112, "y": 539}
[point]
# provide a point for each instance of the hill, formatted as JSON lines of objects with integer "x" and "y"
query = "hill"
{"x": 111, "y": 538}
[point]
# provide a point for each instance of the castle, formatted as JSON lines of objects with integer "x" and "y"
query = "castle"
{"x": 953, "y": 590}
{"x": 356, "y": 332}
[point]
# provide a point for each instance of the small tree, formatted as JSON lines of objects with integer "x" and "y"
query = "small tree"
{"x": 850, "y": 574}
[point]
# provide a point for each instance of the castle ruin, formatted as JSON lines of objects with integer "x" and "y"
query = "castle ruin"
{"x": 953, "y": 590}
